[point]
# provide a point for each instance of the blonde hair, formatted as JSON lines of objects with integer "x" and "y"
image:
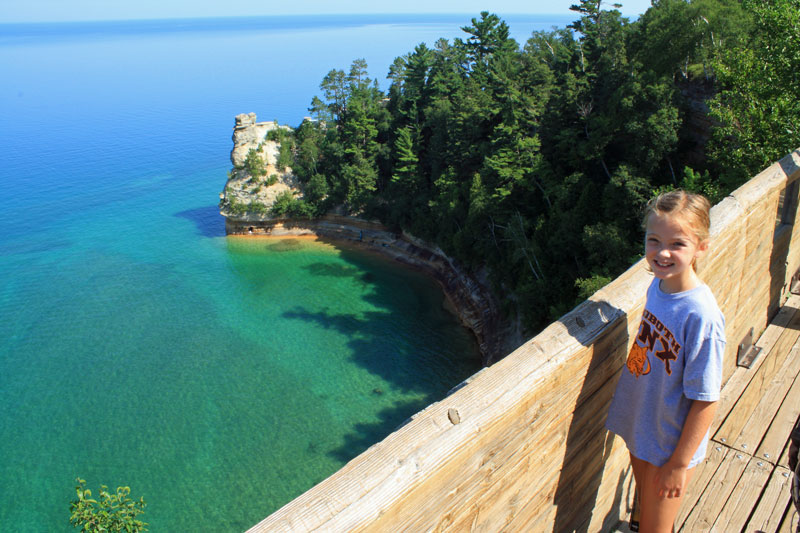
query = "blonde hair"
{"x": 691, "y": 211}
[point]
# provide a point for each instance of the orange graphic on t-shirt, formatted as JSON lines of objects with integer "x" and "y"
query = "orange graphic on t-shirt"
{"x": 637, "y": 360}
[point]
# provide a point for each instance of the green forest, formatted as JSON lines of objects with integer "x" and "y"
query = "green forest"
{"x": 532, "y": 162}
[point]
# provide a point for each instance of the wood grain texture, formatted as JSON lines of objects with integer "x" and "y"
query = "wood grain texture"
{"x": 775, "y": 441}
{"x": 748, "y": 420}
{"x": 746, "y": 491}
{"x": 703, "y": 474}
{"x": 713, "y": 499}
{"x": 773, "y": 503}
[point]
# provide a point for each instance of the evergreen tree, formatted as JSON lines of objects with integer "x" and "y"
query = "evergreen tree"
{"x": 535, "y": 164}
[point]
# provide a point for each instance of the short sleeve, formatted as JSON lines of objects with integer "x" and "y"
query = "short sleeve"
{"x": 704, "y": 352}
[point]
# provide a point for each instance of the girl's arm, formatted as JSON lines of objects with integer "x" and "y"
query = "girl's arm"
{"x": 671, "y": 477}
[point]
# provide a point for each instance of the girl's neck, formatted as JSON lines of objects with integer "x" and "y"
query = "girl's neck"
{"x": 681, "y": 284}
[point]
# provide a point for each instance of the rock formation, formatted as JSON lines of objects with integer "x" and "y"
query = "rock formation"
{"x": 249, "y": 196}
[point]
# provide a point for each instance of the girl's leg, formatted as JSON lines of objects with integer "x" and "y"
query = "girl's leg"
{"x": 658, "y": 514}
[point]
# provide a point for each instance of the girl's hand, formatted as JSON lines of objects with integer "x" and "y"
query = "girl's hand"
{"x": 670, "y": 480}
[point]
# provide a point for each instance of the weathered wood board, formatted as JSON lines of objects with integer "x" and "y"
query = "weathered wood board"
{"x": 773, "y": 503}
{"x": 775, "y": 441}
{"x": 746, "y": 490}
{"x": 770, "y": 377}
{"x": 702, "y": 477}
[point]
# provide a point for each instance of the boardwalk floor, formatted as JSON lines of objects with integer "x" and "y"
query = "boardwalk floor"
{"x": 744, "y": 483}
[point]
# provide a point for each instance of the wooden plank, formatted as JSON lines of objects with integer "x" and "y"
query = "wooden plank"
{"x": 766, "y": 184}
{"x": 790, "y": 520}
{"x": 718, "y": 490}
{"x": 615, "y": 492}
{"x": 774, "y": 500}
{"x": 745, "y": 493}
{"x": 565, "y": 510}
{"x": 781, "y": 321}
{"x": 741, "y": 378}
{"x": 583, "y": 444}
{"x": 784, "y": 456}
{"x": 702, "y": 477}
{"x": 777, "y": 436}
{"x": 739, "y": 415}
{"x": 543, "y": 457}
{"x": 771, "y": 395}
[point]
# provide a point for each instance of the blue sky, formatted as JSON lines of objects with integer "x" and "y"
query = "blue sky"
{"x": 73, "y": 10}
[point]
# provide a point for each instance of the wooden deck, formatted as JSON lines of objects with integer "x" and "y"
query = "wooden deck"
{"x": 744, "y": 483}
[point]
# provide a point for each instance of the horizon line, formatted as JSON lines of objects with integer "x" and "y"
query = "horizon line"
{"x": 232, "y": 17}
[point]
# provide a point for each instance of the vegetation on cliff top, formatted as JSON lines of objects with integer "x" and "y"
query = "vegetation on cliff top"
{"x": 535, "y": 162}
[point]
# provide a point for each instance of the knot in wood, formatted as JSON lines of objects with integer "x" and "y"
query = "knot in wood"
{"x": 453, "y": 415}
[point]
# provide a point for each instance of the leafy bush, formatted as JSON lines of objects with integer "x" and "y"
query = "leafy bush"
{"x": 114, "y": 512}
{"x": 234, "y": 206}
{"x": 280, "y": 135}
{"x": 255, "y": 164}
{"x": 258, "y": 208}
{"x": 285, "y": 157}
{"x": 286, "y": 205}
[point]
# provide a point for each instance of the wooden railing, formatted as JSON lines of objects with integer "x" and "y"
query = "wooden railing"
{"x": 521, "y": 446}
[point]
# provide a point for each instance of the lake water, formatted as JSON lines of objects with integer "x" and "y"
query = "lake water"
{"x": 218, "y": 377}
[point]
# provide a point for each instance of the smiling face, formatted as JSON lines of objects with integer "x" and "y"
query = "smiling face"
{"x": 670, "y": 250}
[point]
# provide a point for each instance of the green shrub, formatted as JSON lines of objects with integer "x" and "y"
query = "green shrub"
{"x": 280, "y": 135}
{"x": 255, "y": 164}
{"x": 286, "y": 141}
{"x": 316, "y": 189}
{"x": 285, "y": 157}
{"x": 286, "y": 205}
{"x": 234, "y": 206}
{"x": 258, "y": 208}
{"x": 114, "y": 512}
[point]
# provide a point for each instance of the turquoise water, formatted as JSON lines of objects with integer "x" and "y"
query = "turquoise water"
{"x": 218, "y": 377}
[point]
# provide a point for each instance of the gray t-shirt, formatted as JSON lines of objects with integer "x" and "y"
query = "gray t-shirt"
{"x": 676, "y": 358}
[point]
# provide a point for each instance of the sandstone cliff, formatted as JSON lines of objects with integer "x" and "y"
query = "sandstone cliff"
{"x": 254, "y": 185}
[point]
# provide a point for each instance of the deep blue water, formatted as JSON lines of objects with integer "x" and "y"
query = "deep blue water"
{"x": 218, "y": 377}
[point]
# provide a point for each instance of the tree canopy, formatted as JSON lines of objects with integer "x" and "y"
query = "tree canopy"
{"x": 534, "y": 162}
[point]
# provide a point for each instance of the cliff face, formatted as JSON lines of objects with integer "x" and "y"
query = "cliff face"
{"x": 253, "y": 186}
{"x": 470, "y": 297}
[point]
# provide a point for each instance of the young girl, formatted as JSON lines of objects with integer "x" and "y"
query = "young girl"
{"x": 666, "y": 397}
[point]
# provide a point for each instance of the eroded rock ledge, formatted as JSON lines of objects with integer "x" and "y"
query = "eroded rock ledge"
{"x": 471, "y": 299}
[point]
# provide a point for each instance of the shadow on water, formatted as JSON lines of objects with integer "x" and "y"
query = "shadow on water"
{"x": 335, "y": 271}
{"x": 380, "y": 357}
{"x": 207, "y": 220}
{"x": 365, "y": 435}
{"x": 285, "y": 245}
{"x": 401, "y": 361}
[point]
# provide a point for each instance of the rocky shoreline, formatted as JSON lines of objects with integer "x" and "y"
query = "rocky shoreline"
{"x": 471, "y": 298}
